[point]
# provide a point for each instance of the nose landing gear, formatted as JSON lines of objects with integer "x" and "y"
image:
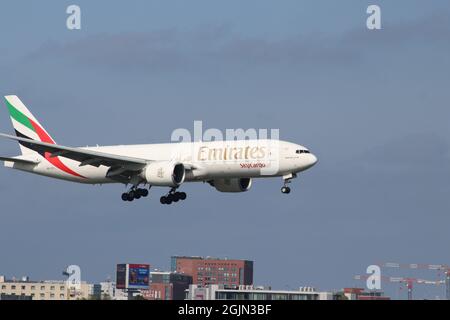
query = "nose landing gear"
{"x": 287, "y": 179}
{"x": 285, "y": 190}
{"x": 173, "y": 196}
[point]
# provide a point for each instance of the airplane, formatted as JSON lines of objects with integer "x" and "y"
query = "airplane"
{"x": 228, "y": 166}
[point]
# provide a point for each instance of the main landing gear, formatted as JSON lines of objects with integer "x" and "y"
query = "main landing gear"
{"x": 287, "y": 179}
{"x": 173, "y": 196}
{"x": 134, "y": 193}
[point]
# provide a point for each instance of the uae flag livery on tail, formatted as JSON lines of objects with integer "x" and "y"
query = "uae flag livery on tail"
{"x": 27, "y": 126}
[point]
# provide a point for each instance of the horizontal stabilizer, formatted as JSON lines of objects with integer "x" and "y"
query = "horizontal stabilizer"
{"x": 18, "y": 160}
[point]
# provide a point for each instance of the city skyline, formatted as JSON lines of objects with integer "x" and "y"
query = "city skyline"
{"x": 426, "y": 281}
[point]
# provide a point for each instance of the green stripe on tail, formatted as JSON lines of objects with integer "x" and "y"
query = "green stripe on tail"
{"x": 19, "y": 116}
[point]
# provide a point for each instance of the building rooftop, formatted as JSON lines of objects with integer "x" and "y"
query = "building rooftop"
{"x": 263, "y": 289}
{"x": 209, "y": 258}
{"x": 27, "y": 280}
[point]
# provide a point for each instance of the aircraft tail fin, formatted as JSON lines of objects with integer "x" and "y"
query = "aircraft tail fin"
{"x": 25, "y": 124}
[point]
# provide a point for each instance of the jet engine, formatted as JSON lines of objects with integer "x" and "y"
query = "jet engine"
{"x": 164, "y": 173}
{"x": 232, "y": 185}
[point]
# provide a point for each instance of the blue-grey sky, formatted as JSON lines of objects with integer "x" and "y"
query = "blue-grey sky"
{"x": 373, "y": 105}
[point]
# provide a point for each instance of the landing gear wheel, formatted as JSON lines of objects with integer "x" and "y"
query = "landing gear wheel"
{"x": 286, "y": 190}
{"x": 134, "y": 193}
{"x": 173, "y": 196}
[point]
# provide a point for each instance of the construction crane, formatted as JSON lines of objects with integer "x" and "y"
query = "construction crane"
{"x": 403, "y": 280}
{"x": 445, "y": 269}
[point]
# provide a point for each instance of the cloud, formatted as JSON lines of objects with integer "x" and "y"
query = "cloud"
{"x": 175, "y": 50}
{"x": 133, "y": 50}
{"x": 432, "y": 30}
{"x": 171, "y": 50}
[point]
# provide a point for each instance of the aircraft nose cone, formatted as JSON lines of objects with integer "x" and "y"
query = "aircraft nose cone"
{"x": 313, "y": 159}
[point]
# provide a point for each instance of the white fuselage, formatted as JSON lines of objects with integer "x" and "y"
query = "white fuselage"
{"x": 206, "y": 160}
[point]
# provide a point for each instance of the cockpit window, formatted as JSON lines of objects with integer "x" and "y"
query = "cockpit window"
{"x": 301, "y": 151}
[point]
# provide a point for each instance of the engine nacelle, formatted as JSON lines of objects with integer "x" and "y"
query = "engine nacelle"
{"x": 164, "y": 173}
{"x": 232, "y": 185}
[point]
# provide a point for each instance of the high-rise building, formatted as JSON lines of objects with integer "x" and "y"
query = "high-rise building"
{"x": 207, "y": 271}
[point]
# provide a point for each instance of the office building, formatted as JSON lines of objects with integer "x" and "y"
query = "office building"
{"x": 220, "y": 292}
{"x": 44, "y": 290}
{"x": 167, "y": 286}
{"x": 209, "y": 271}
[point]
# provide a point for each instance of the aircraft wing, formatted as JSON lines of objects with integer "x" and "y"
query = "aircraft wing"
{"x": 86, "y": 157}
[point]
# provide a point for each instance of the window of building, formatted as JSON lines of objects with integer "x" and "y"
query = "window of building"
{"x": 42, "y": 288}
{"x": 52, "y": 288}
{"x": 33, "y": 287}
{"x": 61, "y": 296}
{"x": 13, "y": 287}
{"x": 42, "y": 295}
{"x": 3, "y": 287}
{"x": 23, "y": 287}
{"x": 279, "y": 296}
{"x": 61, "y": 288}
{"x": 52, "y": 295}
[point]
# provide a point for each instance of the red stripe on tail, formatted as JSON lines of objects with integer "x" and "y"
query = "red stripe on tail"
{"x": 55, "y": 160}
